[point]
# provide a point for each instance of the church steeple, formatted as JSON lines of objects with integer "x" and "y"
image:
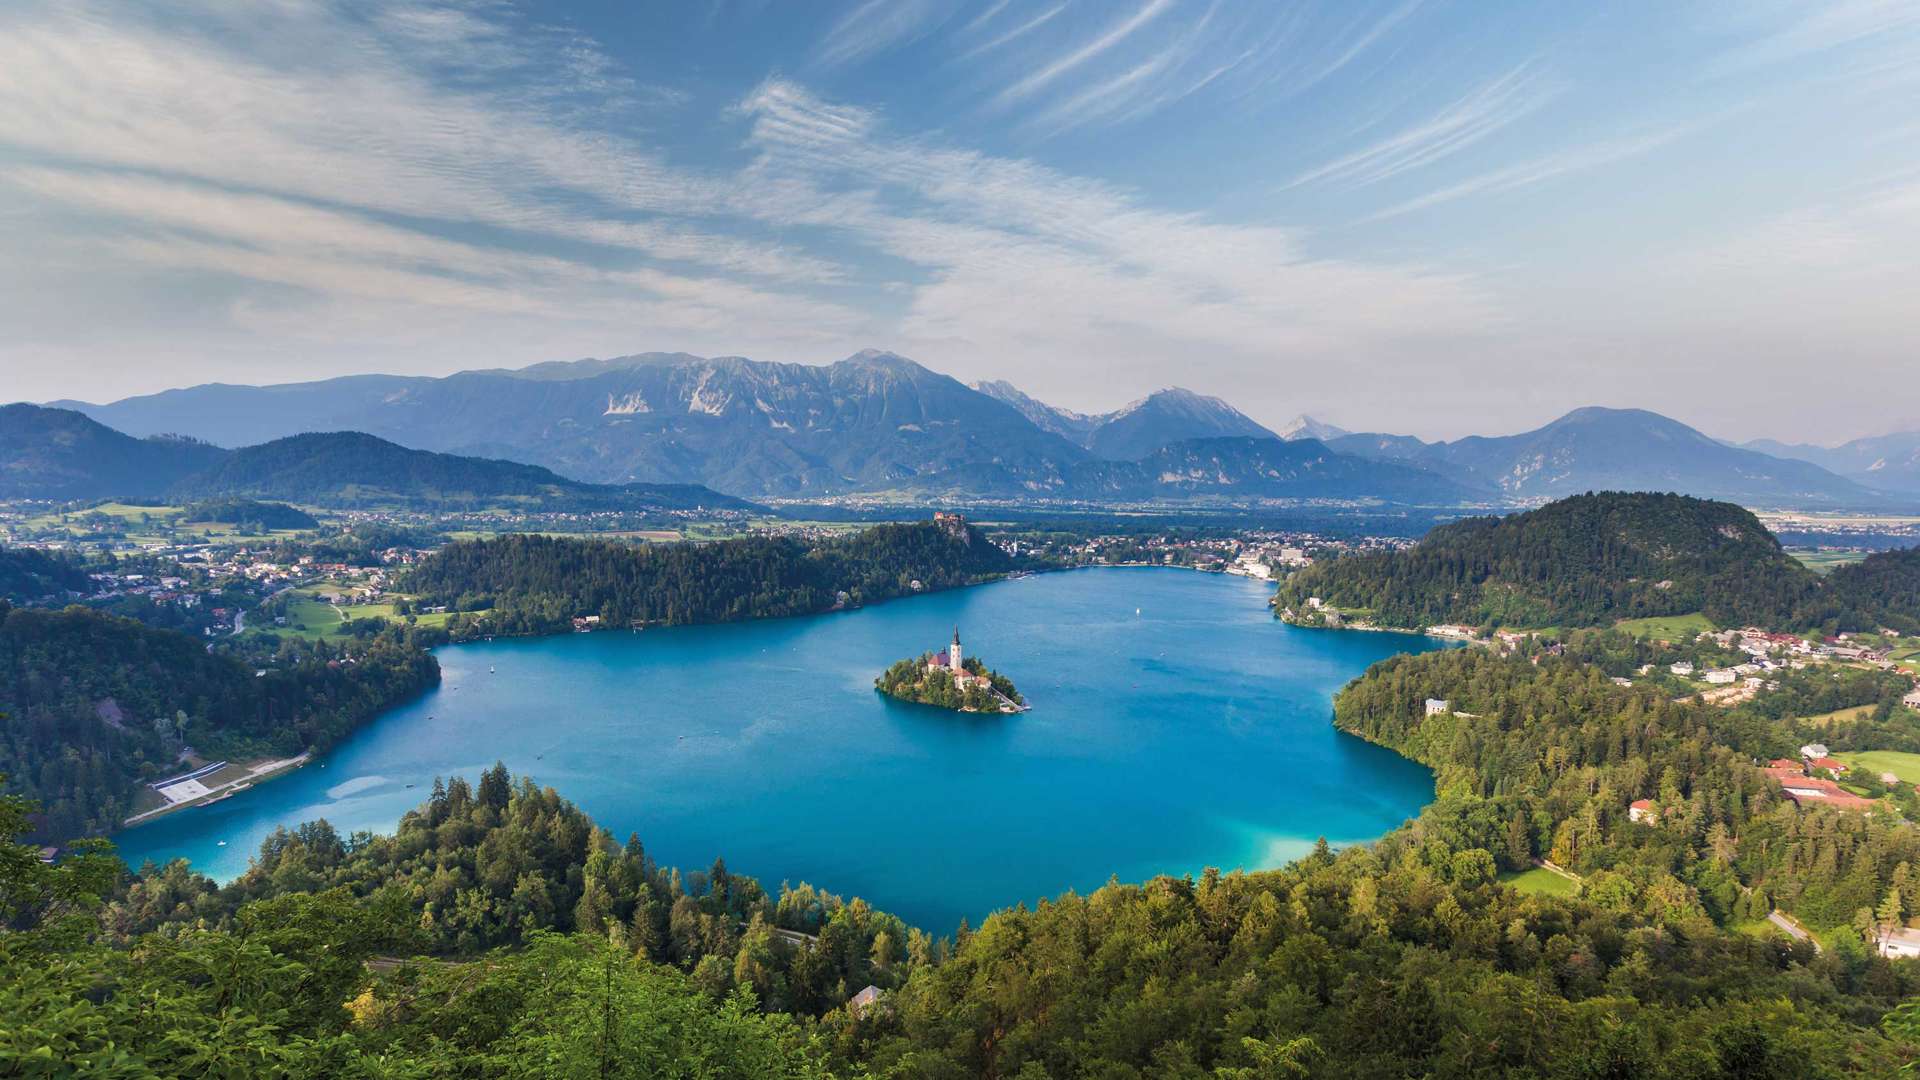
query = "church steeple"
{"x": 953, "y": 651}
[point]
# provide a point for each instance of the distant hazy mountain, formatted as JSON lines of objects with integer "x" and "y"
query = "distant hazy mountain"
{"x": 1069, "y": 425}
{"x": 1891, "y": 462}
{"x": 1596, "y": 449}
{"x": 1263, "y": 467}
{"x": 348, "y": 468}
{"x": 60, "y": 454}
{"x": 1167, "y": 417}
{"x": 1137, "y": 429}
{"x": 874, "y": 421}
{"x": 1306, "y": 427}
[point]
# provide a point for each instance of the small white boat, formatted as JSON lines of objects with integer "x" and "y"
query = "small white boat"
{"x": 1136, "y": 611}
{"x": 489, "y": 669}
{"x": 222, "y": 843}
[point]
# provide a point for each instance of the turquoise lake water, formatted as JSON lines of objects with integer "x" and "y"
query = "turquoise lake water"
{"x": 1195, "y": 733}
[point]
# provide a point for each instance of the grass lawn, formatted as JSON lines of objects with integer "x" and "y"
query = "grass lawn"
{"x": 1903, "y": 765}
{"x": 1536, "y": 880}
{"x": 1668, "y": 627}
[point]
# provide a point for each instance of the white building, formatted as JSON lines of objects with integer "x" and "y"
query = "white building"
{"x": 1436, "y": 706}
{"x": 1901, "y": 942}
{"x": 1682, "y": 669}
{"x": 1912, "y": 701}
{"x": 1722, "y": 677}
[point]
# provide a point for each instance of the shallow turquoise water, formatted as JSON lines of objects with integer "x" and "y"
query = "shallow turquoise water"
{"x": 1195, "y": 733}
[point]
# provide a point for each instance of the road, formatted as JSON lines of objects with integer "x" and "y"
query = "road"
{"x": 1794, "y": 929}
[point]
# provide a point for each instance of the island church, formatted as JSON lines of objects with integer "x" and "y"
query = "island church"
{"x": 949, "y": 661}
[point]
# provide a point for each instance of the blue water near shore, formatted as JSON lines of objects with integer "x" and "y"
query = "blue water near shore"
{"x": 1195, "y": 733}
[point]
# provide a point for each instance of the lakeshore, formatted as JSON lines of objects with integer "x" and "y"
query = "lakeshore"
{"x": 764, "y": 741}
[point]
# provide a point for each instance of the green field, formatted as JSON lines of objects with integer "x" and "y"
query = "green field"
{"x": 310, "y": 616}
{"x": 1821, "y": 562}
{"x": 1668, "y": 627}
{"x": 1857, "y": 712}
{"x": 149, "y": 524}
{"x": 1903, "y": 765}
{"x": 1537, "y": 880}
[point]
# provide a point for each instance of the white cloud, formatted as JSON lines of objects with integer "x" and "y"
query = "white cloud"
{"x": 1026, "y": 263}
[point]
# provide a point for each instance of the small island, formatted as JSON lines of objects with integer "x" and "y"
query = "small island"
{"x": 949, "y": 679}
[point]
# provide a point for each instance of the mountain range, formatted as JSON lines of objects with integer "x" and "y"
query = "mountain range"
{"x": 1596, "y": 449}
{"x": 879, "y": 425}
{"x": 1891, "y": 462}
{"x": 58, "y": 454}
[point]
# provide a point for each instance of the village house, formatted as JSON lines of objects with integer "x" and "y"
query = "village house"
{"x": 1683, "y": 669}
{"x": 1640, "y": 811}
{"x": 1805, "y": 790}
{"x": 1912, "y": 700}
{"x": 1436, "y": 706}
{"x": 866, "y": 999}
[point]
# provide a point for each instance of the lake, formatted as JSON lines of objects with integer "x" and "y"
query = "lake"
{"x": 1176, "y": 725}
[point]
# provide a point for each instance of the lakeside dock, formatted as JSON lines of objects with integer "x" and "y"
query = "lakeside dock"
{"x": 187, "y": 791}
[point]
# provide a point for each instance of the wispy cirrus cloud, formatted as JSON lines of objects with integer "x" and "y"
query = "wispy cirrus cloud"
{"x": 1537, "y": 170}
{"x": 877, "y": 25}
{"x": 1080, "y": 54}
{"x": 1014, "y": 33}
{"x": 1022, "y": 259}
{"x": 1480, "y": 113}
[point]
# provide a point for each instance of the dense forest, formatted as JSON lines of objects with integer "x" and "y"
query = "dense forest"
{"x": 1594, "y": 559}
{"x": 535, "y": 584}
{"x": 912, "y": 680}
{"x": 92, "y": 704}
{"x": 27, "y": 575}
{"x": 499, "y": 933}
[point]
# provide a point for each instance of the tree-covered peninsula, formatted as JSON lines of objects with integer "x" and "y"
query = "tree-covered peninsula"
{"x": 949, "y": 680}
{"x": 539, "y": 584}
{"x": 1591, "y": 560}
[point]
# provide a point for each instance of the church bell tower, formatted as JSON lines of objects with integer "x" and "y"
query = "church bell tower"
{"x": 953, "y": 651}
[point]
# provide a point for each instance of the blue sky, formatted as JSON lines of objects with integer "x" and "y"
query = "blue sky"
{"x": 1438, "y": 218}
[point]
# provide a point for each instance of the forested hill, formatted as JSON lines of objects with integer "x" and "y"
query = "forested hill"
{"x": 1582, "y": 561}
{"x": 93, "y": 704}
{"x": 1543, "y": 754}
{"x": 1883, "y": 588}
{"x": 251, "y": 514}
{"x": 348, "y": 468}
{"x": 534, "y": 583}
{"x": 27, "y": 574}
{"x": 60, "y": 454}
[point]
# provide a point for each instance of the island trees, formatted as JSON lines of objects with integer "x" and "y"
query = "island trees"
{"x": 922, "y": 681}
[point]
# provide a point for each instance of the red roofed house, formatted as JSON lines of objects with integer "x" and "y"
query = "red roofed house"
{"x": 1640, "y": 810}
{"x": 1832, "y": 765}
